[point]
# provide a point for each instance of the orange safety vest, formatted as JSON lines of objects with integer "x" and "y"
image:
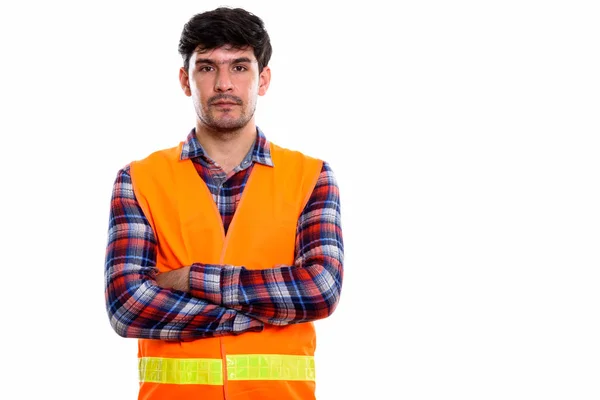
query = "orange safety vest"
{"x": 276, "y": 363}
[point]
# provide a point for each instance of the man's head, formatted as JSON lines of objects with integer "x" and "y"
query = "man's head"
{"x": 225, "y": 66}
{"x": 225, "y": 26}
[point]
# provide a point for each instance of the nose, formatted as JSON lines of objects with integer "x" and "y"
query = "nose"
{"x": 223, "y": 82}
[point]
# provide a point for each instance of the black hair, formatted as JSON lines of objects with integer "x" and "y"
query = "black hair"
{"x": 225, "y": 26}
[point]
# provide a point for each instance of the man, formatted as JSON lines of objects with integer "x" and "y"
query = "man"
{"x": 224, "y": 249}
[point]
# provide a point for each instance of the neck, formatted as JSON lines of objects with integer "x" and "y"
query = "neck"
{"x": 229, "y": 148}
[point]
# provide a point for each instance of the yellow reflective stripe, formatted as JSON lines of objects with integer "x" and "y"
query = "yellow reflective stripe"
{"x": 182, "y": 371}
{"x": 240, "y": 367}
{"x": 245, "y": 367}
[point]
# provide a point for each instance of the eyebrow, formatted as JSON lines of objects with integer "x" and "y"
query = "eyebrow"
{"x": 213, "y": 62}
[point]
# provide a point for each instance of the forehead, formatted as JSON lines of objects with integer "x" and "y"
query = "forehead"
{"x": 224, "y": 54}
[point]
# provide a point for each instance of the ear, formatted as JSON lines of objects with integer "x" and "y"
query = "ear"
{"x": 264, "y": 79}
{"x": 184, "y": 81}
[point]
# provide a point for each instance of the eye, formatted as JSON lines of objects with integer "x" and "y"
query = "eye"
{"x": 205, "y": 68}
{"x": 239, "y": 68}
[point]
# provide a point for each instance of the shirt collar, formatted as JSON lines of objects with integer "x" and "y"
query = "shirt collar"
{"x": 261, "y": 153}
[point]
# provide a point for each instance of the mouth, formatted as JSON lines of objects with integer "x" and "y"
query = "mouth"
{"x": 224, "y": 101}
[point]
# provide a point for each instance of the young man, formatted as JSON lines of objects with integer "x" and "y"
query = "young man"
{"x": 224, "y": 249}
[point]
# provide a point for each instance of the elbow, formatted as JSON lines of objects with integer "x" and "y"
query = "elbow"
{"x": 333, "y": 305}
{"x": 120, "y": 328}
{"x": 305, "y": 309}
{"x": 121, "y": 325}
{"x": 330, "y": 291}
{"x": 326, "y": 305}
{"x": 125, "y": 305}
{"x": 120, "y": 317}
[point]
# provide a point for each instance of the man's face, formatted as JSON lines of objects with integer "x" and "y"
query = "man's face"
{"x": 224, "y": 84}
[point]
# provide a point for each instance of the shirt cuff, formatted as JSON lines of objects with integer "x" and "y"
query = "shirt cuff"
{"x": 205, "y": 282}
{"x": 242, "y": 323}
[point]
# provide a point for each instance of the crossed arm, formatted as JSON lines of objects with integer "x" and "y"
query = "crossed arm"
{"x": 204, "y": 300}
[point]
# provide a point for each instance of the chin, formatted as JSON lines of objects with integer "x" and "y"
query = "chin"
{"x": 228, "y": 125}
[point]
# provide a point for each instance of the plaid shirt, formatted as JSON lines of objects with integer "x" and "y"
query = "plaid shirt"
{"x": 223, "y": 299}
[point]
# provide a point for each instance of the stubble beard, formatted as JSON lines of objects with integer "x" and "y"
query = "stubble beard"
{"x": 224, "y": 124}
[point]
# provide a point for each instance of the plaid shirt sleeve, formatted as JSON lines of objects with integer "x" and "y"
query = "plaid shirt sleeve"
{"x": 308, "y": 290}
{"x": 136, "y": 306}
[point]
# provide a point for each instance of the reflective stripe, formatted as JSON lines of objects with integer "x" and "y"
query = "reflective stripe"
{"x": 276, "y": 367}
{"x": 242, "y": 367}
{"x": 182, "y": 371}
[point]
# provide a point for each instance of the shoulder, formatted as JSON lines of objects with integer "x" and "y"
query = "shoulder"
{"x": 123, "y": 174}
{"x": 156, "y": 162}
{"x": 286, "y": 155}
{"x": 168, "y": 154}
{"x": 151, "y": 161}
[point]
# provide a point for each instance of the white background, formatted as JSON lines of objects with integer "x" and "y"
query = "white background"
{"x": 464, "y": 138}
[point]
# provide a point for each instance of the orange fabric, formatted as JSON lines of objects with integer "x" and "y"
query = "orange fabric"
{"x": 189, "y": 229}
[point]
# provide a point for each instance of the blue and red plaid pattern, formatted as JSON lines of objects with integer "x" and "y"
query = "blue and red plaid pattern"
{"x": 223, "y": 299}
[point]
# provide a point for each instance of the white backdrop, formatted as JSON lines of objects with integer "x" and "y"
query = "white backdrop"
{"x": 464, "y": 136}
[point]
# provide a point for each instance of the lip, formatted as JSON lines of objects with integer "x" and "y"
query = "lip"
{"x": 220, "y": 103}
